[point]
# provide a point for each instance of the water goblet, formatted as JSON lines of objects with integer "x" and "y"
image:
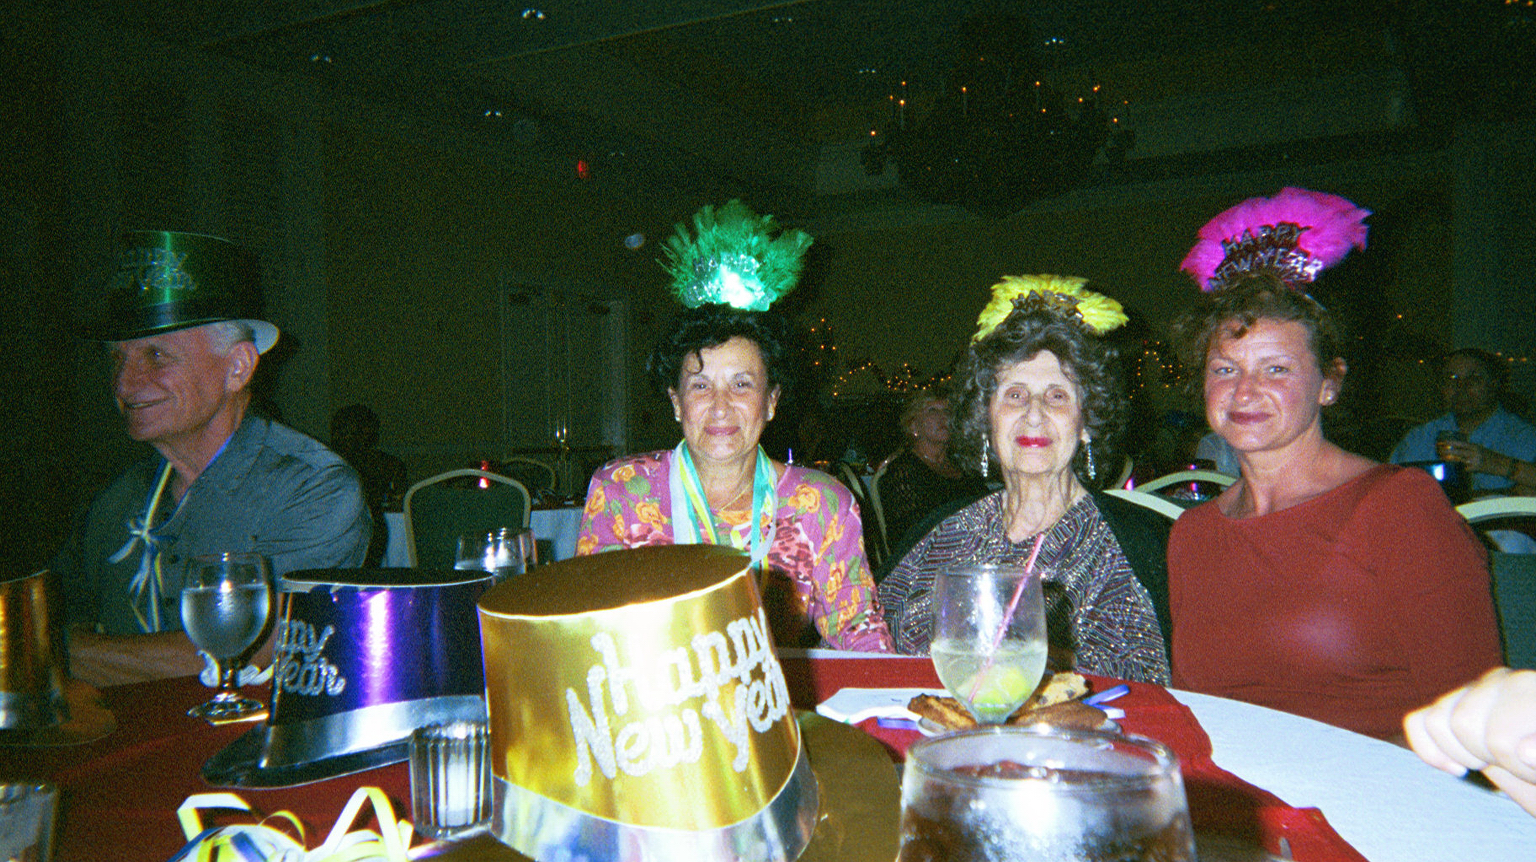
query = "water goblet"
{"x": 503, "y": 552}
{"x": 224, "y": 608}
{"x": 1000, "y": 794}
{"x": 989, "y": 637}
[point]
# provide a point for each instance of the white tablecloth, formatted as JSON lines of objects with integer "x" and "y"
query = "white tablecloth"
{"x": 1378, "y": 796}
{"x": 1383, "y": 800}
{"x": 558, "y": 527}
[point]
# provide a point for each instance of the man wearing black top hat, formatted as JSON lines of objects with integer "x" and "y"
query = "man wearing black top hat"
{"x": 184, "y": 351}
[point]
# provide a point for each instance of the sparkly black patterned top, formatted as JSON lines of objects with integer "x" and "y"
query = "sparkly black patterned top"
{"x": 1095, "y": 603}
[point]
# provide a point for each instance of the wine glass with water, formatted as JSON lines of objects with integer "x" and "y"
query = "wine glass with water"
{"x": 224, "y": 608}
{"x": 989, "y": 637}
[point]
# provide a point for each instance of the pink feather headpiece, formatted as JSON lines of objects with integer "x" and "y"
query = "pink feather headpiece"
{"x": 1296, "y": 234}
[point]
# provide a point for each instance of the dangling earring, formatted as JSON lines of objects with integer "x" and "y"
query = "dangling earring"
{"x": 1088, "y": 447}
{"x": 986, "y": 455}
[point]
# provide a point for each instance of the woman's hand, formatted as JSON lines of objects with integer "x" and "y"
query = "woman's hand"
{"x": 1490, "y": 726}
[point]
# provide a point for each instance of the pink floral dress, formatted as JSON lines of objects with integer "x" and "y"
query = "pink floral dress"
{"x": 817, "y": 588}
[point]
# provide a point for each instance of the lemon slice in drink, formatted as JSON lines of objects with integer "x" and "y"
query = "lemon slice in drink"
{"x": 1002, "y": 688}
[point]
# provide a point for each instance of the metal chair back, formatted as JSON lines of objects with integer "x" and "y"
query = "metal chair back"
{"x": 535, "y": 475}
{"x": 441, "y": 508}
{"x": 1513, "y": 574}
{"x": 1161, "y": 505}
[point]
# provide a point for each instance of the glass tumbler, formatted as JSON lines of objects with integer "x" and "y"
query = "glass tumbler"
{"x": 503, "y": 552}
{"x": 999, "y": 794}
{"x": 450, "y": 779}
{"x": 27, "y": 821}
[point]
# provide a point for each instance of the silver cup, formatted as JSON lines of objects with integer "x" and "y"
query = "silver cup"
{"x": 503, "y": 552}
{"x": 26, "y": 821}
{"x": 450, "y": 779}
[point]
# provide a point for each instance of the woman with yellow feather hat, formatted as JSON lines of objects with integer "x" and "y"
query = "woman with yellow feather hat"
{"x": 1036, "y": 396}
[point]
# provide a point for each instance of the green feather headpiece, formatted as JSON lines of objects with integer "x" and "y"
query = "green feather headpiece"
{"x": 733, "y": 257}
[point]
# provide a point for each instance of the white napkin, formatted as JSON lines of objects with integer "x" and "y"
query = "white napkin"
{"x": 853, "y": 705}
{"x": 249, "y": 674}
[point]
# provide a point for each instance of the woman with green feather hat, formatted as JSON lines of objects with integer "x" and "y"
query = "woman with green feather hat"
{"x": 724, "y": 367}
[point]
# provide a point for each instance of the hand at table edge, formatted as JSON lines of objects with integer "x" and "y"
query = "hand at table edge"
{"x": 1488, "y": 725}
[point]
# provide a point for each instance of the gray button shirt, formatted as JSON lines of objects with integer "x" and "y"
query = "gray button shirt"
{"x": 271, "y": 490}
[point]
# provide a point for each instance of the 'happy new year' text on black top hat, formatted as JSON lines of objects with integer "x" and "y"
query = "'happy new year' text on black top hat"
{"x": 168, "y": 280}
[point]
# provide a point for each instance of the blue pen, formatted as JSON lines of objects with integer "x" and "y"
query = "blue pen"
{"x": 1107, "y": 695}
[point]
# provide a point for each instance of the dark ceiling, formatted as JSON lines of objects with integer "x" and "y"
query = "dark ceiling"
{"x": 755, "y": 91}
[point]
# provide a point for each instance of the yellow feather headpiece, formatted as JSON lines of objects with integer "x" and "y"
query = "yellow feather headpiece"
{"x": 1062, "y": 295}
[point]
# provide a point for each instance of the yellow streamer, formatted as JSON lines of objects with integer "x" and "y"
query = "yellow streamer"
{"x": 262, "y": 843}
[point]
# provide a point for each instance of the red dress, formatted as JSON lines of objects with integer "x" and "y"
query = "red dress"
{"x": 1352, "y": 608}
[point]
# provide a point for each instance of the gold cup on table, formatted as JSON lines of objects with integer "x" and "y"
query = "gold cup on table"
{"x": 39, "y": 703}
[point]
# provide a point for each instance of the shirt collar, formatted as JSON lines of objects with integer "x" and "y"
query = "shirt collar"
{"x": 229, "y": 469}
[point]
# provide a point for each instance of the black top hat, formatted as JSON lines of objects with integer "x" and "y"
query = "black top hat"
{"x": 167, "y": 280}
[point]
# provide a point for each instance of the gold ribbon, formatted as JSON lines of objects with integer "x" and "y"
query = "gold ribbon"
{"x": 260, "y": 842}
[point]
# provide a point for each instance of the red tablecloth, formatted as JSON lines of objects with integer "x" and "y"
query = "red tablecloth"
{"x": 1219, "y": 802}
{"x": 119, "y": 794}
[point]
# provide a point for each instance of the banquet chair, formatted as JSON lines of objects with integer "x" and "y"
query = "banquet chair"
{"x": 535, "y": 475}
{"x": 441, "y": 508}
{"x": 1513, "y": 574}
{"x": 1182, "y": 476}
{"x": 879, "y": 517}
{"x": 1161, "y": 505}
{"x": 1127, "y": 467}
{"x": 1514, "y": 596}
{"x": 875, "y": 544}
{"x": 1498, "y": 508}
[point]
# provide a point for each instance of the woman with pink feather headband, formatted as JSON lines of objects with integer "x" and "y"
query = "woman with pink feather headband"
{"x": 1320, "y": 583}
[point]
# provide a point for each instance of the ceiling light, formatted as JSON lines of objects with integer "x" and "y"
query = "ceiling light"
{"x": 531, "y": 14}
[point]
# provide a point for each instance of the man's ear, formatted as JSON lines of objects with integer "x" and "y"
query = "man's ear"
{"x": 240, "y": 366}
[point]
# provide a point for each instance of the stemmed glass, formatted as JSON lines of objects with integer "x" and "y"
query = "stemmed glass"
{"x": 989, "y": 638}
{"x": 224, "y": 608}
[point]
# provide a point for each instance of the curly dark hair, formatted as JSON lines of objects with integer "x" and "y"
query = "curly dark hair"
{"x": 712, "y": 325}
{"x": 1249, "y": 299}
{"x": 1089, "y": 361}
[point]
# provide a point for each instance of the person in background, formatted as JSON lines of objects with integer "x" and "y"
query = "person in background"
{"x": 1476, "y": 431}
{"x": 1488, "y": 725}
{"x": 355, "y": 437}
{"x": 1320, "y": 582}
{"x": 921, "y": 477}
{"x": 1038, "y": 403}
{"x": 725, "y": 369}
{"x": 1215, "y": 449}
{"x": 183, "y": 354}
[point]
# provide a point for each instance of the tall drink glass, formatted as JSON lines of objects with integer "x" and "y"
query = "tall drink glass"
{"x": 1022, "y": 794}
{"x": 989, "y": 639}
{"x": 224, "y": 608}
